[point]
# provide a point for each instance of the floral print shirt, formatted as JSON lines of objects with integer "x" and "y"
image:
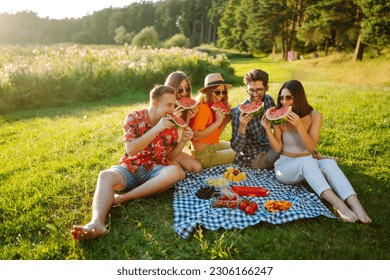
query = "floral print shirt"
{"x": 155, "y": 153}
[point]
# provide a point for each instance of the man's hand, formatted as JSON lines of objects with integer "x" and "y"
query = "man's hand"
{"x": 244, "y": 119}
{"x": 163, "y": 124}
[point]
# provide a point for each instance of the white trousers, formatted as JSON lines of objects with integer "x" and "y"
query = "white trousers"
{"x": 321, "y": 174}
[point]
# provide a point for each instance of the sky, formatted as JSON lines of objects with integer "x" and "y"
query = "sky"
{"x": 59, "y": 9}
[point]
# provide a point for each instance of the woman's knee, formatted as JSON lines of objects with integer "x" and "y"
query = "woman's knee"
{"x": 196, "y": 168}
{"x": 327, "y": 165}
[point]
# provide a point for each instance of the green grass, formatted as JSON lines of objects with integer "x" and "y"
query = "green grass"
{"x": 50, "y": 159}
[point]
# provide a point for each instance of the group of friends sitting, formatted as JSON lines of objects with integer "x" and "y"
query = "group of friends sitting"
{"x": 157, "y": 155}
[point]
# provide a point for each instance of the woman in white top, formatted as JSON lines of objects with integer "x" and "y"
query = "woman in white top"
{"x": 296, "y": 140}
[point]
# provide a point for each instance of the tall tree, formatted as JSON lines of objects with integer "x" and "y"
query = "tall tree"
{"x": 376, "y": 22}
{"x": 215, "y": 13}
{"x": 260, "y": 35}
{"x": 239, "y": 29}
{"x": 193, "y": 20}
{"x": 167, "y": 15}
{"x": 228, "y": 20}
{"x": 330, "y": 22}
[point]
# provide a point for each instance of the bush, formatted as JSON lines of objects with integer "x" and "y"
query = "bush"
{"x": 147, "y": 37}
{"x": 177, "y": 40}
{"x": 45, "y": 76}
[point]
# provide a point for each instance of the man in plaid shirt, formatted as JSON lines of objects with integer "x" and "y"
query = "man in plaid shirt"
{"x": 249, "y": 138}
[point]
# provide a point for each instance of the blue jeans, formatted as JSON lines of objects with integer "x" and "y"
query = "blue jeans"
{"x": 137, "y": 178}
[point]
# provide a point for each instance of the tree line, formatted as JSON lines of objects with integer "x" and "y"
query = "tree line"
{"x": 246, "y": 25}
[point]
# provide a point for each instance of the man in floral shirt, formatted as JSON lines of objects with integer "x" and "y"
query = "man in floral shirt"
{"x": 151, "y": 144}
{"x": 249, "y": 139}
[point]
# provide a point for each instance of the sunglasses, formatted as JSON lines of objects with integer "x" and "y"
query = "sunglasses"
{"x": 218, "y": 92}
{"x": 181, "y": 90}
{"x": 287, "y": 97}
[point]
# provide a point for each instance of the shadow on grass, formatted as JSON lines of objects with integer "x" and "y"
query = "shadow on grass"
{"x": 76, "y": 108}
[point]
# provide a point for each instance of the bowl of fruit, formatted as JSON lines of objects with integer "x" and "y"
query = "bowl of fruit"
{"x": 234, "y": 174}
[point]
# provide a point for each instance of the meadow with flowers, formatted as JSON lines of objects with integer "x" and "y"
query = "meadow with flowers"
{"x": 46, "y": 76}
{"x": 62, "y": 109}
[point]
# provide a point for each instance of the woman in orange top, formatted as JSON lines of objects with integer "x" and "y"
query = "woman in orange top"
{"x": 208, "y": 124}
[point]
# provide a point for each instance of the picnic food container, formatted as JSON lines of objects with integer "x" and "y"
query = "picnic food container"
{"x": 225, "y": 198}
{"x": 217, "y": 182}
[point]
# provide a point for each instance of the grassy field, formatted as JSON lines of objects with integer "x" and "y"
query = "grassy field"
{"x": 50, "y": 159}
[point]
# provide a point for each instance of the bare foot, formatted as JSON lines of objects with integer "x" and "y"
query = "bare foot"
{"x": 88, "y": 232}
{"x": 357, "y": 207}
{"x": 347, "y": 215}
{"x": 363, "y": 217}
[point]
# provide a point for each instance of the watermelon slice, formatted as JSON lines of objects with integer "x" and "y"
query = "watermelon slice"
{"x": 179, "y": 122}
{"x": 254, "y": 108}
{"x": 187, "y": 103}
{"x": 278, "y": 116}
{"x": 221, "y": 105}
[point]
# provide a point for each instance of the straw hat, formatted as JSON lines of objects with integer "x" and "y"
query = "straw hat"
{"x": 212, "y": 80}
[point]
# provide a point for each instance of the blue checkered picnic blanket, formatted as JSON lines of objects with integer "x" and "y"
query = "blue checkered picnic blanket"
{"x": 191, "y": 211}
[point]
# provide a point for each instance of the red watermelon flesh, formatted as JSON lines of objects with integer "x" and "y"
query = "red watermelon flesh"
{"x": 187, "y": 103}
{"x": 278, "y": 116}
{"x": 220, "y": 105}
{"x": 179, "y": 122}
{"x": 254, "y": 108}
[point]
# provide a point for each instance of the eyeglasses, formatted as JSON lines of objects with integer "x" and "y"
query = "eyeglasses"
{"x": 218, "y": 92}
{"x": 258, "y": 90}
{"x": 287, "y": 97}
{"x": 181, "y": 90}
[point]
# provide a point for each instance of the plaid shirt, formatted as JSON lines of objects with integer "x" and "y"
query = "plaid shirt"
{"x": 249, "y": 145}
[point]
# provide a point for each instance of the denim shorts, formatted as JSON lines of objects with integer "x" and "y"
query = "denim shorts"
{"x": 137, "y": 178}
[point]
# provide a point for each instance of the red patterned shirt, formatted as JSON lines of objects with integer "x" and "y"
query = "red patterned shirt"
{"x": 155, "y": 153}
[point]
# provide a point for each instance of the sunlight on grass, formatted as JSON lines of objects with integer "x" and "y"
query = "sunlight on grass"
{"x": 50, "y": 160}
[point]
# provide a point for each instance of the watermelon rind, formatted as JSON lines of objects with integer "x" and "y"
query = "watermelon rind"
{"x": 245, "y": 108}
{"x": 177, "y": 121}
{"x": 185, "y": 102}
{"x": 278, "y": 120}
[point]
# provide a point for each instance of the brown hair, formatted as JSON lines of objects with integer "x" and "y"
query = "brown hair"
{"x": 159, "y": 90}
{"x": 175, "y": 79}
{"x": 256, "y": 75}
{"x": 300, "y": 105}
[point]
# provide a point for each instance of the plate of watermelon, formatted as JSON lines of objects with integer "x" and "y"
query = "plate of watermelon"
{"x": 278, "y": 116}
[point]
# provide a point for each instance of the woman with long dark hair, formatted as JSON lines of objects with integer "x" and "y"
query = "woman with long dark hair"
{"x": 296, "y": 139}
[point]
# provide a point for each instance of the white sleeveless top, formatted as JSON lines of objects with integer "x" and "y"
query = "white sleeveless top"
{"x": 292, "y": 143}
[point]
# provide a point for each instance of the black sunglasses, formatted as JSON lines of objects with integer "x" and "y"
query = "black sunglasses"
{"x": 181, "y": 90}
{"x": 218, "y": 92}
{"x": 287, "y": 97}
